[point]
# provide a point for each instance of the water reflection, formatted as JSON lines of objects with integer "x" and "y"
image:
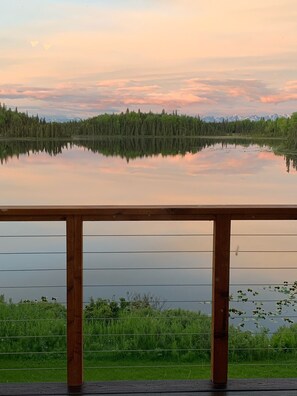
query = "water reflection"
{"x": 130, "y": 149}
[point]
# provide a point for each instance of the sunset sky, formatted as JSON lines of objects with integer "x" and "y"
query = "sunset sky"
{"x": 79, "y": 58}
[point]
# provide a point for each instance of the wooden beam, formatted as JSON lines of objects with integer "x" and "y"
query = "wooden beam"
{"x": 148, "y": 213}
{"x": 74, "y": 301}
{"x": 220, "y": 300}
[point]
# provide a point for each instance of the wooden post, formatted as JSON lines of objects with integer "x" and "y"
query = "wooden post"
{"x": 220, "y": 300}
{"x": 74, "y": 301}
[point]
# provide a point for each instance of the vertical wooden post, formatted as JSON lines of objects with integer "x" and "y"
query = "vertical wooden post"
{"x": 220, "y": 300}
{"x": 74, "y": 301}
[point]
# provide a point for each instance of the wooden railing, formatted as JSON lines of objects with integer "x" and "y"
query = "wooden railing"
{"x": 221, "y": 216}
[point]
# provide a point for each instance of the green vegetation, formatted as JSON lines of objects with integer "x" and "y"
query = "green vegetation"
{"x": 138, "y": 124}
{"x": 161, "y": 343}
{"x": 54, "y": 370}
{"x": 286, "y": 302}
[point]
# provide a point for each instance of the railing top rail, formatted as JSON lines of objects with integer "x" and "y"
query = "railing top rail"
{"x": 147, "y": 213}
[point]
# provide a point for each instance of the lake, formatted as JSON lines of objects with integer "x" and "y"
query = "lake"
{"x": 168, "y": 260}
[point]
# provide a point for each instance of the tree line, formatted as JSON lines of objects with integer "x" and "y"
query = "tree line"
{"x": 137, "y": 124}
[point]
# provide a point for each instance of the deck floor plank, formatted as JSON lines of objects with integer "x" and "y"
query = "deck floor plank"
{"x": 275, "y": 387}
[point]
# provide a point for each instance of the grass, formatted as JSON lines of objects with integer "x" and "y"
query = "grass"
{"x": 133, "y": 340}
{"x": 24, "y": 370}
{"x": 54, "y": 370}
{"x": 264, "y": 369}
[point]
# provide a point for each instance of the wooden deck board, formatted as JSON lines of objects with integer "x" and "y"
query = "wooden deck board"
{"x": 275, "y": 387}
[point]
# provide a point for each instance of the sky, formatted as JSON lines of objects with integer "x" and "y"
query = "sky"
{"x": 78, "y": 58}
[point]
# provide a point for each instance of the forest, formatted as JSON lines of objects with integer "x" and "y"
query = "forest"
{"x": 15, "y": 124}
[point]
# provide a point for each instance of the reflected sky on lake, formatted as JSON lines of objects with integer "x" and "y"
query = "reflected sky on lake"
{"x": 216, "y": 175}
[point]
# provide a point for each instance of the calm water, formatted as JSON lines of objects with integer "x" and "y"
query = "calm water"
{"x": 122, "y": 265}
{"x": 216, "y": 174}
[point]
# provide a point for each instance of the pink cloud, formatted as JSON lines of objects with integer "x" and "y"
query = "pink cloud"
{"x": 248, "y": 89}
{"x": 26, "y": 92}
{"x": 282, "y": 97}
{"x": 112, "y": 83}
{"x": 291, "y": 84}
{"x": 171, "y": 99}
{"x": 286, "y": 94}
{"x": 149, "y": 93}
{"x": 143, "y": 88}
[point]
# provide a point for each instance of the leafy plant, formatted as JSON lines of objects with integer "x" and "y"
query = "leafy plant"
{"x": 286, "y": 303}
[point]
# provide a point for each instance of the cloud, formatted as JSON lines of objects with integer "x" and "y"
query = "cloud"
{"x": 248, "y": 89}
{"x": 139, "y": 88}
{"x": 34, "y": 43}
{"x": 16, "y": 91}
{"x": 47, "y": 46}
{"x": 194, "y": 95}
{"x": 171, "y": 100}
{"x": 286, "y": 94}
{"x": 112, "y": 83}
{"x": 282, "y": 97}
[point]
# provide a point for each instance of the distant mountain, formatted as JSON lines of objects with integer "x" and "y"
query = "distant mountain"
{"x": 235, "y": 117}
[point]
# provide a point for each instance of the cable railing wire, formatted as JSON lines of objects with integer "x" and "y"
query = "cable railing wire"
{"x": 88, "y": 302}
{"x": 146, "y": 334}
{"x": 110, "y": 252}
{"x": 163, "y": 317}
{"x": 145, "y": 252}
{"x": 155, "y": 366}
{"x": 108, "y": 367}
{"x": 33, "y": 353}
{"x": 267, "y": 315}
{"x": 112, "y": 285}
{"x": 32, "y": 320}
{"x": 106, "y": 235}
{"x": 164, "y": 334}
{"x": 143, "y": 268}
{"x": 107, "y": 335}
{"x": 34, "y": 336}
{"x": 33, "y": 368}
{"x": 157, "y": 349}
{"x": 263, "y": 364}
{"x": 151, "y": 235}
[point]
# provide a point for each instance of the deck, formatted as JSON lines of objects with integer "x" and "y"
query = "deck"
{"x": 276, "y": 387}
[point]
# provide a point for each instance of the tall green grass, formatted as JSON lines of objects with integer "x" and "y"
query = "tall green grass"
{"x": 136, "y": 329}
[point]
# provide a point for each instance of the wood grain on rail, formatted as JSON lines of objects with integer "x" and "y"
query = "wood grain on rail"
{"x": 74, "y": 301}
{"x": 148, "y": 213}
{"x": 220, "y": 300}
